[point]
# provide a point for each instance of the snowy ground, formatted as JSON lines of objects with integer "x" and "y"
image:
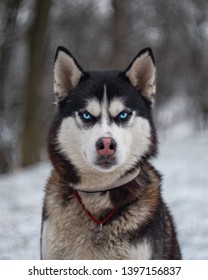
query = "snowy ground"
{"x": 184, "y": 164}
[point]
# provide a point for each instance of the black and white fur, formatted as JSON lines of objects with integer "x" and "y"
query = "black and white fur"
{"x": 100, "y": 143}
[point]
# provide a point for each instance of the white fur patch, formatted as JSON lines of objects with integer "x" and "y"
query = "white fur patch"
{"x": 142, "y": 251}
{"x": 93, "y": 107}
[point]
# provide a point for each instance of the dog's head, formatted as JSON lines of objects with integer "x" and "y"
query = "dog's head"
{"x": 104, "y": 123}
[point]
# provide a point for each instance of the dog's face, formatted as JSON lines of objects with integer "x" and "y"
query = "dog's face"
{"x": 104, "y": 118}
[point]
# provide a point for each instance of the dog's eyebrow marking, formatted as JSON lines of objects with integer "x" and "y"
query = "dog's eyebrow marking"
{"x": 116, "y": 106}
{"x": 93, "y": 107}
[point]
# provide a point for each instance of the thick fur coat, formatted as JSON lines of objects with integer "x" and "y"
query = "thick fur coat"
{"x": 100, "y": 143}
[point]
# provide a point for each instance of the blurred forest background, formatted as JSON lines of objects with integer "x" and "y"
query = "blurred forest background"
{"x": 104, "y": 34}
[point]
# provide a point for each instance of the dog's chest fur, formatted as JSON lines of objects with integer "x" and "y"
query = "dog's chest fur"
{"x": 67, "y": 230}
{"x": 74, "y": 240}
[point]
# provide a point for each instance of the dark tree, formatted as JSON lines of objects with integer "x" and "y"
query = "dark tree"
{"x": 8, "y": 38}
{"x": 30, "y": 138}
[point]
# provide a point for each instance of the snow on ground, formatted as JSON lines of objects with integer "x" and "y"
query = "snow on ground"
{"x": 184, "y": 165}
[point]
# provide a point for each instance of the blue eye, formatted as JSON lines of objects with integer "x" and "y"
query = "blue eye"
{"x": 123, "y": 115}
{"x": 86, "y": 116}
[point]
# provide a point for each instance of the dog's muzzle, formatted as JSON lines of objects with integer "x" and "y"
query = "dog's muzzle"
{"x": 106, "y": 149}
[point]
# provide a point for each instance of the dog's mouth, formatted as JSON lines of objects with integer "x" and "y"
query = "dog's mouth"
{"x": 106, "y": 162}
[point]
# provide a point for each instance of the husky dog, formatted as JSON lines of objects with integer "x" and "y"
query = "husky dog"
{"x": 103, "y": 197}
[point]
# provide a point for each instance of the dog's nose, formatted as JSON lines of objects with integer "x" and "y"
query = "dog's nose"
{"x": 106, "y": 146}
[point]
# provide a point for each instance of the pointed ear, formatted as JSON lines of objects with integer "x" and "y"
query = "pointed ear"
{"x": 142, "y": 73}
{"x": 67, "y": 73}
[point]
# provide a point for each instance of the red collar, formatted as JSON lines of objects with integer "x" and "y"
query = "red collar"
{"x": 90, "y": 214}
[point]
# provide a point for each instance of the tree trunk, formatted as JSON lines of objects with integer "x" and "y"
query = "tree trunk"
{"x": 30, "y": 139}
{"x": 8, "y": 38}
